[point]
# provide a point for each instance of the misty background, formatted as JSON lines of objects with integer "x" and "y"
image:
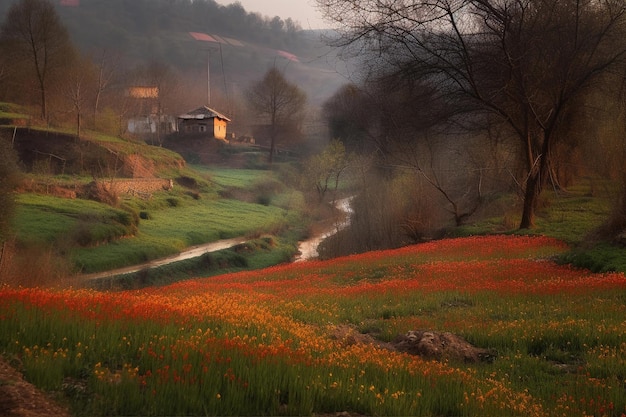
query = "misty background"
{"x": 433, "y": 134}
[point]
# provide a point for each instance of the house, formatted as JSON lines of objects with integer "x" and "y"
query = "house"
{"x": 203, "y": 121}
{"x": 146, "y": 115}
{"x": 152, "y": 124}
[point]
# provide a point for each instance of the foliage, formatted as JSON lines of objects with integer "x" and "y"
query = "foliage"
{"x": 348, "y": 114}
{"x": 265, "y": 342}
{"x": 324, "y": 170}
{"x": 487, "y": 66}
{"x": 601, "y": 257}
{"x": 163, "y": 26}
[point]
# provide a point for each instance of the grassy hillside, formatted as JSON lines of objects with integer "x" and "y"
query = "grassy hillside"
{"x": 314, "y": 338}
{"x": 99, "y": 237}
{"x": 572, "y": 216}
{"x": 66, "y": 204}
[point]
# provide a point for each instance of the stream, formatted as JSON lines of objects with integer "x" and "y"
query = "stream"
{"x": 307, "y": 248}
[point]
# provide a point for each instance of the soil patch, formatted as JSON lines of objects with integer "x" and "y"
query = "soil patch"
{"x": 426, "y": 344}
{"x": 19, "y": 398}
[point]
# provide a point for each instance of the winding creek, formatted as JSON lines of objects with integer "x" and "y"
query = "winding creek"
{"x": 307, "y": 248}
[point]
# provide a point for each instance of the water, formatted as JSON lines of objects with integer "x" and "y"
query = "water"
{"x": 308, "y": 248}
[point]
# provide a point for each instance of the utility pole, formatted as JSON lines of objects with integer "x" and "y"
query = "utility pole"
{"x": 208, "y": 77}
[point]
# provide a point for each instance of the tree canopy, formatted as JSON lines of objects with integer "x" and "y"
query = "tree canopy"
{"x": 279, "y": 104}
{"x": 526, "y": 64}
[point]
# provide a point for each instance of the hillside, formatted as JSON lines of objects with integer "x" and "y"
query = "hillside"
{"x": 95, "y": 154}
{"x": 351, "y": 336}
{"x": 144, "y": 32}
{"x": 100, "y": 202}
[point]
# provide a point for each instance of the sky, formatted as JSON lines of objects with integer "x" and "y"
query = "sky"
{"x": 301, "y": 11}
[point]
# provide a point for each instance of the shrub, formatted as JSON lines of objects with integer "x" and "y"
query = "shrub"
{"x": 266, "y": 188}
{"x": 194, "y": 194}
{"x": 187, "y": 182}
{"x": 97, "y": 191}
{"x": 264, "y": 200}
{"x": 33, "y": 266}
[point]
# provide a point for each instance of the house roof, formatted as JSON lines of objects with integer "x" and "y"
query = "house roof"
{"x": 203, "y": 112}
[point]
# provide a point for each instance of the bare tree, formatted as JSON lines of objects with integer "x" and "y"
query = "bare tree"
{"x": 77, "y": 90}
{"x": 105, "y": 71}
{"x": 279, "y": 103}
{"x": 403, "y": 119}
{"x": 33, "y": 33}
{"x": 523, "y": 61}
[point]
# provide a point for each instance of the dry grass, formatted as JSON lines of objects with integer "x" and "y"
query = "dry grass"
{"x": 33, "y": 267}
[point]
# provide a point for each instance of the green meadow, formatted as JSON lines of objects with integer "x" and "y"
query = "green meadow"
{"x": 99, "y": 237}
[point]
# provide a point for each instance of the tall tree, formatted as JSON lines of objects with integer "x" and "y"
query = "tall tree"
{"x": 348, "y": 113}
{"x": 104, "y": 75}
{"x": 77, "y": 89}
{"x": 525, "y": 62}
{"x": 279, "y": 104}
{"x": 32, "y": 33}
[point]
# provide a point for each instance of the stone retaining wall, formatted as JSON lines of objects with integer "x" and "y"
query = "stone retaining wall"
{"x": 142, "y": 187}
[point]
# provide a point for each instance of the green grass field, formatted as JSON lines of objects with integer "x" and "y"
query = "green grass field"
{"x": 99, "y": 237}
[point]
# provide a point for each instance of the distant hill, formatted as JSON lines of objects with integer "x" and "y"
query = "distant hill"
{"x": 243, "y": 44}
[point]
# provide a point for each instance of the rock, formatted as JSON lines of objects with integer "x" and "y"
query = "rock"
{"x": 427, "y": 344}
{"x": 441, "y": 346}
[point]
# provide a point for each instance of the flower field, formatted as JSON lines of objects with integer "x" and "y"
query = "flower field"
{"x": 261, "y": 342}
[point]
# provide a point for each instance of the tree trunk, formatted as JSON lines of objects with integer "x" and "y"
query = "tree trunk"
{"x": 44, "y": 110}
{"x": 537, "y": 176}
{"x": 272, "y": 148}
{"x": 95, "y": 109}
{"x": 530, "y": 201}
{"x": 78, "y": 121}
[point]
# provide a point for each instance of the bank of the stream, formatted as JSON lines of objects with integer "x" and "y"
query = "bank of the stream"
{"x": 222, "y": 256}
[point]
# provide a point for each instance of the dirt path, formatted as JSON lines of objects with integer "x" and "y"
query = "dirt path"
{"x": 19, "y": 398}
